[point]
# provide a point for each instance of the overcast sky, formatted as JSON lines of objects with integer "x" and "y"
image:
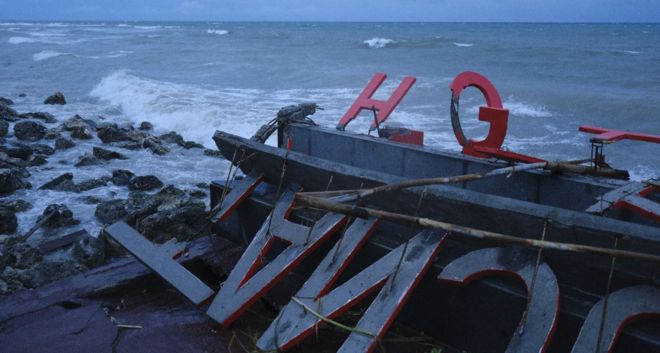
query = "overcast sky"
{"x": 336, "y": 10}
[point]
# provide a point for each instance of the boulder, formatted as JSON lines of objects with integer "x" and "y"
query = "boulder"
{"x": 181, "y": 223}
{"x": 153, "y": 144}
{"x": 212, "y": 153}
{"x": 82, "y": 133}
{"x": 171, "y": 137}
{"x": 144, "y": 183}
{"x": 20, "y": 151}
{"x": 29, "y": 131}
{"x": 15, "y": 205}
{"x": 63, "y": 182}
{"x": 121, "y": 177}
{"x": 92, "y": 184}
{"x": 11, "y": 180}
{"x": 8, "y": 113}
{"x": 107, "y": 155}
{"x": 45, "y": 117}
{"x": 111, "y": 211}
{"x": 89, "y": 251}
{"x": 43, "y": 149}
{"x": 37, "y": 161}
{"x": 52, "y": 134}
{"x": 8, "y": 221}
{"x": 111, "y": 133}
{"x": 60, "y": 216}
{"x": 146, "y": 126}
{"x": 4, "y": 128}
{"x": 64, "y": 143}
{"x": 6, "y": 101}
{"x": 50, "y": 270}
{"x": 87, "y": 159}
{"x": 80, "y": 128}
{"x": 55, "y": 98}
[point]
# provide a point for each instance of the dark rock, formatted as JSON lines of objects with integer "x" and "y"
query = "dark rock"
{"x": 204, "y": 186}
{"x": 43, "y": 149}
{"x": 111, "y": 133}
{"x": 87, "y": 159}
{"x": 153, "y": 144}
{"x": 89, "y": 251}
{"x": 136, "y": 136}
{"x": 90, "y": 200}
{"x": 37, "y": 161}
{"x": 11, "y": 180}
{"x": 10, "y": 278}
{"x": 146, "y": 126}
{"x": 212, "y": 153}
{"x": 15, "y": 205}
{"x": 63, "y": 182}
{"x": 93, "y": 183}
{"x": 110, "y": 211}
{"x": 80, "y": 128}
{"x": 131, "y": 145}
{"x": 171, "y": 137}
{"x": 64, "y": 143}
{"x": 22, "y": 95}
{"x": 19, "y": 254}
{"x": 45, "y": 117}
{"x": 50, "y": 270}
{"x": 197, "y": 193}
{"x": 8, "y": 221}
{"x": 29, "y": 131}
{"x": 81, "y": 134}
{"x": 6, "y": 101}
{"x": 4, "y": 128}
{"x": 121, "y": 176}
{"x": 107, "y": 155}
{"x": 191, "y": 144}
{"x": 56, "y": 98}
{"x": 52, "y": 134}
{"x": 144, "y": 183}
{"x": 21, "y": 151}
{"x": 180, "y": 223}
{"x": 61, "y": 216}
{"x": 7, "y": 113}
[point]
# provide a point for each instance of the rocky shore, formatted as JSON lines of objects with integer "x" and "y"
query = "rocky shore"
{"x": 57, "y": 244}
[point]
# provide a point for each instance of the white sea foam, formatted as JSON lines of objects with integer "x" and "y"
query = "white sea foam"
{"x": 47, "y": 54}
{"x": 21, "y": 40}
{"x": 524, "y": 109}
{"x": 219, "y": 32}
{"x": 377, "y": 43}
{"x": 463, "y": 44}
{"x": 631, "y": 52}
{"x": 148, "y": 27}
{"x": 111, "y": 55}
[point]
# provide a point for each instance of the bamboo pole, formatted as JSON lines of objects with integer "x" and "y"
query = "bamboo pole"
{"x": 364, "y": 212}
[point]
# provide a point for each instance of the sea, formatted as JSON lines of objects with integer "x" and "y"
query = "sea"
{"x": 199, "y": 77}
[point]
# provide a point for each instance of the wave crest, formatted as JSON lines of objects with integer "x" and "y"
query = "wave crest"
{"x": 219, "y": 32}
{"x": 378, "y": 43}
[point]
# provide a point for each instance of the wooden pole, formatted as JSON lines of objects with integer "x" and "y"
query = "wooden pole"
{"x": 364, "y": 212}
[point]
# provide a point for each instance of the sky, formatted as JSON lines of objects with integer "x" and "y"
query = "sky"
{"x": 335, "y": 10}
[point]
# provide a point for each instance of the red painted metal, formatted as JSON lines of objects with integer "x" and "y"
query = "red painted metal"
{"x": 543, "y": 308}
{"x": 247, "y": 282}
{"x": 239, "y": 192}
{"x": 612, "y": 135}
{"x": 383, "y": 108}
{"x": 628, "y": 204}
{"x": 403, "y": 135}
{"x": 494, "y": 113}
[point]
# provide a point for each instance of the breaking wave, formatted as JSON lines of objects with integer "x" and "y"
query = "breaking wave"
{"x": 219, "y": 32}
{"x": 463, "y": 44}
{"x": 47, "y": 54}
{"x": 377, "y": 43}
{"x": 21, "y": 40}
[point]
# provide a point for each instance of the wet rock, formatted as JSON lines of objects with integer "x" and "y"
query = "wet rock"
{"x": 7, "y": 113}
{"x": 131, "y": 145}
{"x": 80, "y": 128}
{"x": 43, "y": 149}
{"x": 121, "y": 177}
{"x": 107, "y": 155}
{"x": 81, "y": 134}
{"x": 92, "y": 184}
{"x": 146, "y": 126}
{"x": 191, "y": 144}
{"x": 212, "y": 153}
{"x": 144, "y": 183}
{"x": 21, "y": 151}
{"x": 89, "y": 251}
{"x": 56, "y": 98}
{"x": 6, "y": 101}
{"x": 4, "y": 128}
{"x": 110, "y": 211}
{"x": 87, "y": 159}
{"x": 11, "y": 180}
{"x": 197, "y": 194}
{"x": 8, "y": 221}
{"x": 37, "y": 161}
{"x": 153, "y": 144}
{"x": 11, "y": 278}
{"x": 64, "y": 143}
{"x": 171, "y": 137}
{"x": 45, "y": 117}
{"x": 136, "y": 136}
{"x": 91, "y": 200}
{"x": 180, "y": 223}
{"x": 29, "y": 131}
{"x": 61, "y": 216}
{"x": 111, "y": 133}
{"x": 16, "y": 205}
{"x": 63, "y": 182}
{"x": 52, "y": 134}
{"x": 50, "y": 270}
{"x": 22, "y": 95}
{"x": 204, "y": 186}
